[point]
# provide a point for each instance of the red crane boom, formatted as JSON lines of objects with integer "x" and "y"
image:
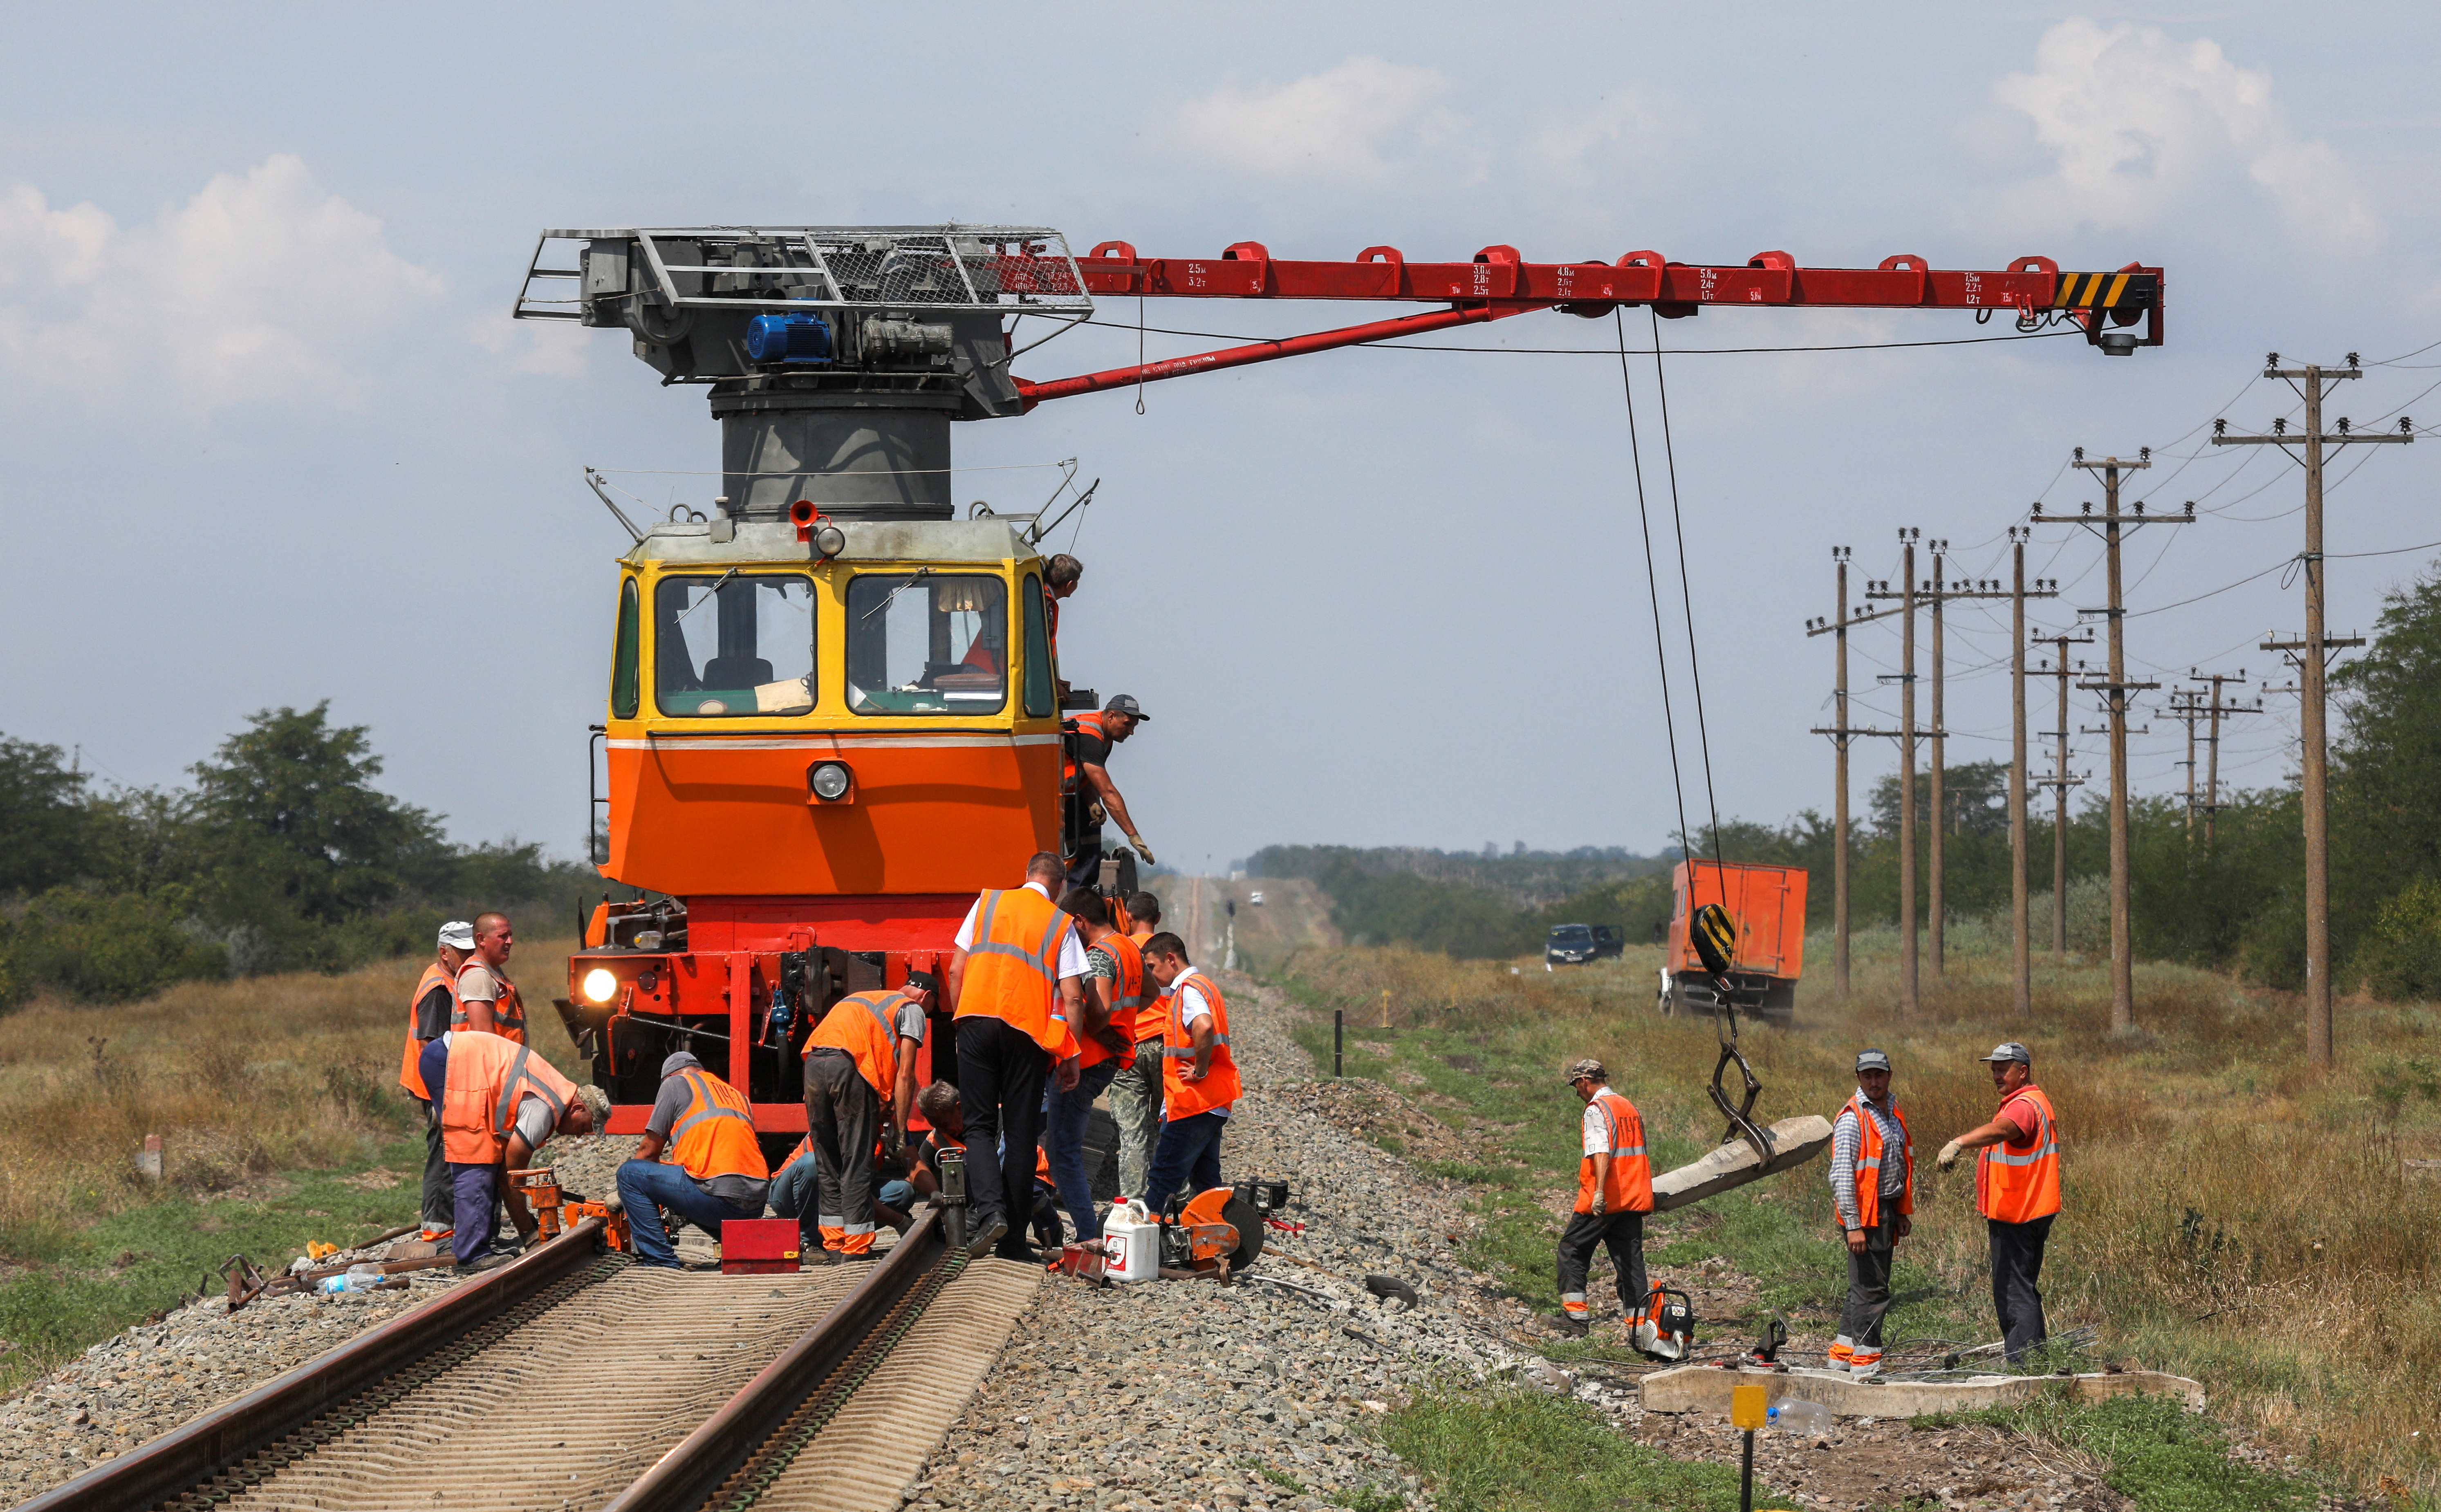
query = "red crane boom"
{"x": 1497, "y": 282}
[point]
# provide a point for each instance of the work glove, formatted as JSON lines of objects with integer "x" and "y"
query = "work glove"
{"x": 1142, "y": 848}
{"x": 1601, "y": 1207}
{"x": 1949, "y": 1153}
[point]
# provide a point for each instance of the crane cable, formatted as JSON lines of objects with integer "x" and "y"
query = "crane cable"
{"x": 1653, "y": 589}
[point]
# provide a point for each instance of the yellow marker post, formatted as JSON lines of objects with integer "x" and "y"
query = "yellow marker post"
{"x": 1749, "y": 1410}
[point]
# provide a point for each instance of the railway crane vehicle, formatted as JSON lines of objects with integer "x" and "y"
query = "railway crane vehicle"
{"x": 834, "y": 710}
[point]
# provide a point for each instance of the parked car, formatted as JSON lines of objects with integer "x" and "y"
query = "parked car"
{"x": 1570, "y": 945}
{"x": 1256, "y": 898}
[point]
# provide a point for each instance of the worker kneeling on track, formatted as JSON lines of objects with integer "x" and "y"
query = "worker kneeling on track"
{"x": 1872, "y": 1186}
{"x": 712, "y": 1170}
{"x": 1199, "y": 1075}
{"x": 861, "y": 1053}
{"x": 1614, "y": 1193}
{"x": 500, "y": 1102}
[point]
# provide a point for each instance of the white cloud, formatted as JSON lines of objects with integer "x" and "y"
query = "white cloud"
{"x": 2145, "y": 132}
{"x": 549, "y": 349}
{"x": 1583, "y": 148}
{"x": 1366, "y": 121}
{"x": 262, "y": 286}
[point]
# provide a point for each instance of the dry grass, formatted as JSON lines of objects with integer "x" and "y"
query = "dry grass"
{"x": 241, "y": 1078}
{"x": 2230, "y": 1215}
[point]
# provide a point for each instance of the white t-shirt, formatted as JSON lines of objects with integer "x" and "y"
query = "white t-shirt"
{"x": 1192, "y": 1003}
{"x": 1597, "y": 1125}
{"x": 1072, "y": 948}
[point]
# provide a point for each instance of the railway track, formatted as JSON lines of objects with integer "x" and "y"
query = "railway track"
{"x": 573, "y": 1379}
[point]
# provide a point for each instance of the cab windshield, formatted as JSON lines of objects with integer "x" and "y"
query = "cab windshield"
{"x": 926, "y": 643}
{"x": 729, "y": 645}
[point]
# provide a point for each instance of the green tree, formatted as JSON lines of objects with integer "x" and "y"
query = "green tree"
{"x": 41, "y": 818}
{"x": 289, "y": 816}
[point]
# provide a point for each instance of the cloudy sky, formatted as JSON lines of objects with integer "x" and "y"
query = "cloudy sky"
{"x": 272, "y": 437}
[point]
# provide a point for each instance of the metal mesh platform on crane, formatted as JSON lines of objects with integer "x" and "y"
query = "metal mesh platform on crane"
{"x": 1004, "y": 268}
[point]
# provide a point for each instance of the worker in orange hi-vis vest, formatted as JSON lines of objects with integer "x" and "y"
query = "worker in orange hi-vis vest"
{"x": 1614, "y": 1193}
{"x": 1017, "y": 992}
{"x": 1097, "y": 733}
{"x": 1199, "y": 1075}
{"x": 500, "y": 1102}
{"x": 430, "y": 1008}
{"x": 2017, "y": 1191}
{"x": 487, "y": 1000}
{"x": 1872, "y": 1189}
{"x": 1116, "y": 989}
{"x": 698, "y": 1159}
{"x": 860, "y": 1088}
{"x": 1135, "y": 1091}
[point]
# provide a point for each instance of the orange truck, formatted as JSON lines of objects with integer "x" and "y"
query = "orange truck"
{"x": 1767, "y": 903}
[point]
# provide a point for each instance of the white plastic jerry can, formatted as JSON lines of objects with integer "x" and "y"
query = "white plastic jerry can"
{"x": 1131, "y": 1243}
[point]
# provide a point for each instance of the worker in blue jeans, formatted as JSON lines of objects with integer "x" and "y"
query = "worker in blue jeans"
{"x": 715, "y": 1170}
{"x": 1064, "y": 1114}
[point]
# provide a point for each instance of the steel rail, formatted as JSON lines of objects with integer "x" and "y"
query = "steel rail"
{"x": 692, "y": 1472}
{"x": 192, "y": 1455}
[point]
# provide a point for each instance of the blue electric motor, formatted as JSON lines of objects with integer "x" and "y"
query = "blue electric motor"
{"x": 789, "y": 338}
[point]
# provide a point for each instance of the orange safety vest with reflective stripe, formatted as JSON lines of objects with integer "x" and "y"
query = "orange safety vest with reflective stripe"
{"x": 2018, "y": 1188}
{"x": 1869, "y": 1163}
{"x": 1013, "y": 967}
{"x": 715, "y": 1135}
{"x": 865, "y": 1025}
{"x": 1089, "y": 723}
{"x": 1220, "y": 1087}
{"x": 411, "y": 1071}
{"x": 508, "y": 1010}
{"x": 1127, "y": 996}
{"x": 488, "y": 1077}
{"x": 1629, "y": 1186}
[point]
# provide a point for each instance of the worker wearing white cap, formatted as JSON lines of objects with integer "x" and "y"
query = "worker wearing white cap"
{"x": 2017, "y": 1191}
{"x": 1872, "y": 1186}
{"x": 430, "y": 1010}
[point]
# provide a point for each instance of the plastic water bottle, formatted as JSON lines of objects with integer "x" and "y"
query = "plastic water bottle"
{"x": 358, "y": 1278}
{"x": 1797, "y": 1415}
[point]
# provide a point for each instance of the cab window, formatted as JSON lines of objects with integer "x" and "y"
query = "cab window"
{"x": 926, "y": 643}
{"x": 624, "y": 654}
{"x": 731, "y": 644}
{"x": 1039, "y": 700}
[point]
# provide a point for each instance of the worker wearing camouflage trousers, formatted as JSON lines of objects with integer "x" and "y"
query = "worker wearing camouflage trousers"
{"x": 1872, "y": 1187}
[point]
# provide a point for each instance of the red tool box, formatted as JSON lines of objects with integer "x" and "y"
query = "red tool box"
{"x": 757, "y": 1247}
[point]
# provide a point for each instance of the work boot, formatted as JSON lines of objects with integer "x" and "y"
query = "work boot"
{"x": 989, "y": 1230}
{"x": 1571, "y": 1325}
{"x": 819, "y": 1257}
{"x": 489, "y": 1260}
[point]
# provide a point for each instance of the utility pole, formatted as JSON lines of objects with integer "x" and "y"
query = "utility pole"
{"x": 2113, "y": 522}
{"x": 2184, "y": 708}
{"x": 2057, "y": 665}
{"x": 1841, "y": 732}
{"x": 1906, "y": 776}
{"x": 1937, "y": 591}
{"x": 2311, "y": 655}
{"x": 2216, "y": 710}
{"x": 2022, "y": 953}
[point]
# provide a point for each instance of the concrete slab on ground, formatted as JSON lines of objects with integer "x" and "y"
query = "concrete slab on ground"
{"x": 1707, "y": 1387}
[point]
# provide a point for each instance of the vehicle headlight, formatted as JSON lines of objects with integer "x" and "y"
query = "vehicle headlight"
{"x": 828, "y": 779}
{"x": 599, "y": 985}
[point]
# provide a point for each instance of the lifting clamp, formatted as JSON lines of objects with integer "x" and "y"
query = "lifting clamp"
{"x": 1716, "y": 939}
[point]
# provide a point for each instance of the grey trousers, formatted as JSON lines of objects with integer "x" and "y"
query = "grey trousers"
{"x": 1869, "y": 1284}
{"x": 2017, "y": 1276}
{"x": 843, "y": 1116}
{"x": 440, "y": 1200}
{"x": 1135, "y": 1105}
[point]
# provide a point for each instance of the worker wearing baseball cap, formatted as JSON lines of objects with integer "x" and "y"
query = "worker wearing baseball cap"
{"x": 2017, "y": 1191}
{"x": 1614, "y": 1193}
{"x": 431, "y": 1008}
{"x": 1097, "y": 733}
{"x": 1872, "y": 1187}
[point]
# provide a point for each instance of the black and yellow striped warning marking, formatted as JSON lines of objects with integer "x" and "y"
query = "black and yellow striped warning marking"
{"x": 2107, "y": 290}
